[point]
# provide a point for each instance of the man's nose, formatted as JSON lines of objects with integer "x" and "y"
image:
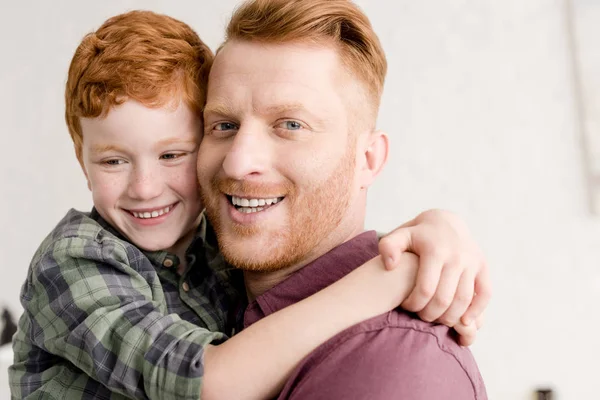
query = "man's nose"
{"x": 249, "y": 154}
{"x": 145, "y": 183}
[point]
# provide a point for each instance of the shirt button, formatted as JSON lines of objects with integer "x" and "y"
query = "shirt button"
{"x": 186, "y": 287}
{"x": 168, "y": 263}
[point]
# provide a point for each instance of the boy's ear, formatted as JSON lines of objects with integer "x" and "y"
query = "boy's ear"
{"x": 375, "y": 155}
{"x": 81, "y": 164}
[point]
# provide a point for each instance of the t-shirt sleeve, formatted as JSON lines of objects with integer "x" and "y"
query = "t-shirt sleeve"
{"x": 389, "y": 363}
{"x": 87, "y": 305}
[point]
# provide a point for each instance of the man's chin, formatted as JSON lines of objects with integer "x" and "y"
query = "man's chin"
{"x": 246, "y": 261}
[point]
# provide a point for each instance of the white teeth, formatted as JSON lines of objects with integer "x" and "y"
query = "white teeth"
{"x": 241, "y": 202}
{"x": 250, "y": 210}
{"x": 152, "y": 214}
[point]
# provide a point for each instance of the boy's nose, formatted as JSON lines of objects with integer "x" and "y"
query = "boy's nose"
{"x": 145, "y": 184}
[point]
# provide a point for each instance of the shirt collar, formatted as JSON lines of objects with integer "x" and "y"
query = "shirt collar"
{"x": 203, "y": 232}
{"x": 322, "y": 272}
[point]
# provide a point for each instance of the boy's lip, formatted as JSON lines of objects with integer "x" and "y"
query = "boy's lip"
{"x": 152, "y": 221}
{"x": 143, "y": 210}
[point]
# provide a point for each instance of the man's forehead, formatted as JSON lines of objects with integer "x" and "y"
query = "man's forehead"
{"x": 276, "y": 59}
{"x": 275, "y": 76}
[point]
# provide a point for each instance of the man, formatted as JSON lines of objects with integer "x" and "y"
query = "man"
{"x": 290, "y": 149}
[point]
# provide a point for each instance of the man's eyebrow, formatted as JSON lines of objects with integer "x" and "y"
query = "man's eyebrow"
{"x": 282, "y": 108}
{"x": 227, "y": 111}
{"x": 218, "y": 109}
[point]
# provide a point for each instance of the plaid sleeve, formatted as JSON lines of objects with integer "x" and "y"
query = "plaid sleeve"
{"x": 88, "y": 305}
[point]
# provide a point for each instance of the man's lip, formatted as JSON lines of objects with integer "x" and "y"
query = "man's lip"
{"x": 244, "y": 219}
{"x": 250, "y": 196}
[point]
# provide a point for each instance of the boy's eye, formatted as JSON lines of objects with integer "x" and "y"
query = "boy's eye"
{"x": 114, "y": 162}
{"x": 171, "y": 156}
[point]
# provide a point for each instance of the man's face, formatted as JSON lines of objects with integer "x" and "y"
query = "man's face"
{"x": 277, "y": 162}
{"x": 140, "y": 164}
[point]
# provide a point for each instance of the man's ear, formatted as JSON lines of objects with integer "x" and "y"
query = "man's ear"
{"x": 376, "y": 148}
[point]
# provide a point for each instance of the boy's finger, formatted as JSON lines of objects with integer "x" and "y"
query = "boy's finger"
{"x": 444, "y": 296}
{"x": 393, "y": 244}
{"x": 483, "y": 293}
{"x": 428, "y": 276}
{"x": 466, "y": 333}
{"x": 462, "y": 300}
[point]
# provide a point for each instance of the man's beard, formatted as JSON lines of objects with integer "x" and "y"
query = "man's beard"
{"x": 313, "y": 216}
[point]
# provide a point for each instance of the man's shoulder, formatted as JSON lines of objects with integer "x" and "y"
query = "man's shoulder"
{"x": 400, "y": 327}
{"x": 394, "y": 354}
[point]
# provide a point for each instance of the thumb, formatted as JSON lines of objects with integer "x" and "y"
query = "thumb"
{"x": 394, "y": 244}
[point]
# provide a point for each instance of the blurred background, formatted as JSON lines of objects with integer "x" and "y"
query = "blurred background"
{"x": 493, "y": 109}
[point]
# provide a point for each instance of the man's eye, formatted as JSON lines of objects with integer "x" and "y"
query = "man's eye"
{"x": 290, "y": 125}
{"x": 225, "y": 126}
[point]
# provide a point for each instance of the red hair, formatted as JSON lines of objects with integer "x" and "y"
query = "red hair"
{"x": 139, "y": 55}
{"x": 339, "y": 22}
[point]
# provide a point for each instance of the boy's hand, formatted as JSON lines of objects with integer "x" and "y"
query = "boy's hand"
{"x": 453, "y": 284}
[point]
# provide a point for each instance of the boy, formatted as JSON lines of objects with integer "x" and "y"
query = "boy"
{"x": 133, "y": 300}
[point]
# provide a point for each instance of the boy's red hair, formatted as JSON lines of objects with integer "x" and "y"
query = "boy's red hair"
{"x": 139, "y": 55}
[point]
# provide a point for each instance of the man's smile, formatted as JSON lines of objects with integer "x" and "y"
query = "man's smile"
{"x": 250, "y": 205}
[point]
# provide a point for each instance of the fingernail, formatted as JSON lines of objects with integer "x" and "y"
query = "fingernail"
{"x": 390, "y": 261}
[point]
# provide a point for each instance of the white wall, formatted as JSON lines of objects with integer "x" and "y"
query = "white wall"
{"x": 480, "y": 106}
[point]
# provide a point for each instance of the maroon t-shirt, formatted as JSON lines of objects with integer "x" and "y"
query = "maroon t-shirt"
{"x": 392, "y": 356}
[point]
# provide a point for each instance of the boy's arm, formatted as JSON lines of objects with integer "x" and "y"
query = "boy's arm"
{"x": 86, "y": 305}
{"x": 103, "y": 318}
{"x": 453, "y": 285}
{"x": 260, "y": 359}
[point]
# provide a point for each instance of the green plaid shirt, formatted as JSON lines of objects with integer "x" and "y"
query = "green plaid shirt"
{"x": 105, "y": 320}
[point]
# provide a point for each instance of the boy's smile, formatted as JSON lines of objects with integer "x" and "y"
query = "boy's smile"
{"x": 140, "y": 164}
{"x": 151, "y": 216}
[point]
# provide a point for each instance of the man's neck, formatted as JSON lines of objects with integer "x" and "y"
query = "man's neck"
{"x": 258, "y": 283}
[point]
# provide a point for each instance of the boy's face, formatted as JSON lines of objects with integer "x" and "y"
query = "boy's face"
{"x": 140, "y": 164}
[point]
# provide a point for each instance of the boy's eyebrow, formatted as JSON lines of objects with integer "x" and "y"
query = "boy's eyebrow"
{"x": 105, "y": 148}
{"x": 174, "y": 140}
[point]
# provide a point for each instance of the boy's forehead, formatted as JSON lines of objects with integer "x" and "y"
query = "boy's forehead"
{"x": 132, "y": 120}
